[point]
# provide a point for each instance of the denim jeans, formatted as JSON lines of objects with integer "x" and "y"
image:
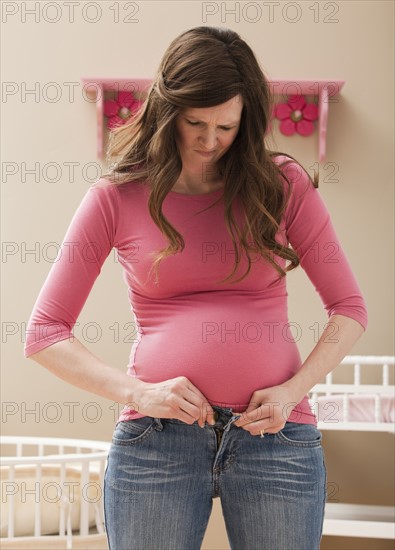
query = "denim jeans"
{"x": 162, "y": 475}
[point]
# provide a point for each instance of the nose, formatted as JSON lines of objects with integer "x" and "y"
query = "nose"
{"x": 209, "y": 139}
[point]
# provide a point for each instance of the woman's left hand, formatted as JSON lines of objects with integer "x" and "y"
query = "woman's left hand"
{"x": 268, "y": 410}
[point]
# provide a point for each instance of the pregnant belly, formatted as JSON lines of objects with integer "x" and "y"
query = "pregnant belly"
{"x": 227, "y": 357}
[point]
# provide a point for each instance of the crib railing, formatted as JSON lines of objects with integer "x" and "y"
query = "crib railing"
{"x": 378, "y": 391}
{"x": 84, "y": 457}
{"x": 359, "y": 520}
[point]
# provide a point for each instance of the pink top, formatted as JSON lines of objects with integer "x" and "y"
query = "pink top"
{"x": 228, "y": 340}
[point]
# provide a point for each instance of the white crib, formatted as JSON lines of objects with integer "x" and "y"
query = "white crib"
{"x": 52, "y": 493}
{"x": 357, "y": 407}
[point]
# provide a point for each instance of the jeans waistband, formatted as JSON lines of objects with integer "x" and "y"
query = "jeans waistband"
{"x": 225, "y": 413}
{"x": 223, "y": 416}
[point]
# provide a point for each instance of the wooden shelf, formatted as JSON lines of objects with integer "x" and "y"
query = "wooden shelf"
{"x": 96, "y": 87}
{"x": 325, "y": 90}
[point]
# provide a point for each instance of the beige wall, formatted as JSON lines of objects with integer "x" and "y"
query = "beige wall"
{"x": 349, "y": 40}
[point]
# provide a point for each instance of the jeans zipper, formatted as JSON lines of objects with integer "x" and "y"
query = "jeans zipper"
{"x": 219, "y": 436}
{"x": 220, "y": 432}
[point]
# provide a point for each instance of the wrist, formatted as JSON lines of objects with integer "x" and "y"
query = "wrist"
{"x": 133, "y": 389}
{"x": 296, "y": 389}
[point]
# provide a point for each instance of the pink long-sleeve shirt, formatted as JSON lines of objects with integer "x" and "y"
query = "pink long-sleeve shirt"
{"x": 227, "y": 339}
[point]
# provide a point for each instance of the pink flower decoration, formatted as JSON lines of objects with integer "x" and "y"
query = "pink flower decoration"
{"x": 119, "y": 110}
{"x": 296, "y": 116}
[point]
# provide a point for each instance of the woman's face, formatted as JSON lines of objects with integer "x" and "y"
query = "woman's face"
{"x": 203, "y": 135}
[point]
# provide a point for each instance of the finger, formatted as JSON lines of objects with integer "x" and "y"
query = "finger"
{"x": 188, "y": 412}
{"x": 257, "y": 428}
{"x": 260, "y": 422}
{"x": 206, "y": 412}
{"x": 187, "y": 408}
{"x": 197, "y": 406}
{"x": 248, "y": 417}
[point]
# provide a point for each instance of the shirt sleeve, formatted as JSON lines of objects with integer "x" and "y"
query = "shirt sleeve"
{"x": 311, "y": 233}
{"x": 88, "y": 242}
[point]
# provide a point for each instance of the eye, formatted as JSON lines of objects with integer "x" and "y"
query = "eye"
{"x": 196, "y": 123}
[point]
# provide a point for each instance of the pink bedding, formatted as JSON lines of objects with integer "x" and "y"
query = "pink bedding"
{"x": 361, "y": 408}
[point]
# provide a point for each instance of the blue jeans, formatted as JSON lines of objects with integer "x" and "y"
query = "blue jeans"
{"x": 162, "y": 475}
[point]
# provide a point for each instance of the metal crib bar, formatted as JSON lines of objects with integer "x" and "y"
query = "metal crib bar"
{"x": 37, "y": 503}
{"x": 377, "y": 408}
{"x": 101, "y": 478}
{"x": 328, "y": 382}
{"x": 19, "y": 449}
{"x": 345, "y": 407}
{"x": 62, "y": 515}
{"x": 357, "y": 374}
{"x": 368, "y": 359}
{"x": 84, "y": 515}
{"x": 11, "y": 507}
{"x": 385, "y": 375}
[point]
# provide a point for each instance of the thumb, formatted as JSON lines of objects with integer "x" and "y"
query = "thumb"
{"x": 247, "y": 415}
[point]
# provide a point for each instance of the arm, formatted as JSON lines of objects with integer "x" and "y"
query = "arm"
{"x": 311, "y": 233}
{"x": 88, "y": 241}
{"x": 91, "y": 235}
{"x": 74, "y": 363}
{"x": 336, "y": 341}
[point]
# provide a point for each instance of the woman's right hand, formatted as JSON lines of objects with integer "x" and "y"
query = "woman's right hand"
{"x": 174, "y": 398}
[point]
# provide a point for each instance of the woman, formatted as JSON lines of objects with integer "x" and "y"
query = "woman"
{"x": 215, "y": 394}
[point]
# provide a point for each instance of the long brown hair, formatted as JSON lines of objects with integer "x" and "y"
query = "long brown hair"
{"x": 205, "y": 67}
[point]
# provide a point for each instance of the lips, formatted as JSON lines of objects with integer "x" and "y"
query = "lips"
{"x": 206, "y": 153}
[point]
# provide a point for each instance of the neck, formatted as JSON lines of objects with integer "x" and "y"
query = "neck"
{"x": 196, "y": 183}
{"x": 201, "y": 188}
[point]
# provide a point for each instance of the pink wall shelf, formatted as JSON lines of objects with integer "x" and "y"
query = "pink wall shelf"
{"x": 326, "y": 91}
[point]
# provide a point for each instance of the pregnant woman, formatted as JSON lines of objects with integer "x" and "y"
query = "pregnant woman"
{"x": 206, "y": 222}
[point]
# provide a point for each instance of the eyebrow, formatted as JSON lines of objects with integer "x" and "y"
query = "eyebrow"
{"x": 223, "y": 124}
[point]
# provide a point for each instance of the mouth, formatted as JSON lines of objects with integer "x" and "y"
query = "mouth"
{"x": 205, "y": 153}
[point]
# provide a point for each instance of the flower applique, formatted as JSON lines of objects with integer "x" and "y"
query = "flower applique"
{"x": 119, "y": 110}
{"x": 296, "y": 116}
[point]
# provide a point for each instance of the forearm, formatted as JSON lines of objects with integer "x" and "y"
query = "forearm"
{"x": 336, "y": 341}
{"x": 73, "y": 362}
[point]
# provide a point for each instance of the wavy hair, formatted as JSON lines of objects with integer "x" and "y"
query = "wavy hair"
{"x": 205, "y": 67}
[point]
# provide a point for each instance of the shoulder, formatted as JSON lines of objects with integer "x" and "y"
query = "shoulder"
{"x": 291, "y": 168}
{"x": 296, "y": 179}
{"x": 111, "y": 195}
{"x": 108, "y": 187}
{"x": 104, "y": 186}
